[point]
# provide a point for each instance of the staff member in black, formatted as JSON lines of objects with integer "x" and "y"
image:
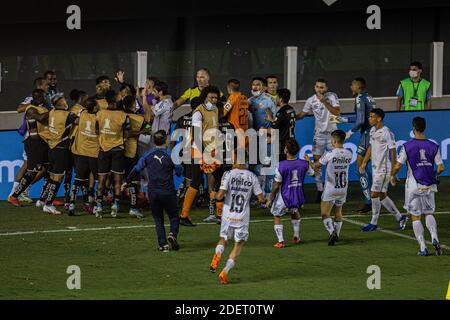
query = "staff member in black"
{"x": 161, "y": 189}
{"x": 284, "y": 120}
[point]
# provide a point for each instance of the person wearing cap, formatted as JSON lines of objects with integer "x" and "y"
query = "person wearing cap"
{"x": 60, "y": 121}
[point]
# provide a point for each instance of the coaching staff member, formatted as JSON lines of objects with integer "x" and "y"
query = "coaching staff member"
{"x": 161, "y": 189}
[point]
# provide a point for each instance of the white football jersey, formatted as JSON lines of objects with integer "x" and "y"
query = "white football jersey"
{"x": 239, "y": 185}
{"x": 382, "y": 141}
{"x": 338, "y": 162}
{"x": 321, "y": 113}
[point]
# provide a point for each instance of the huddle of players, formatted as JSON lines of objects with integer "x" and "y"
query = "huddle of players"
{"x": 101, "y": 132}
{"x": 97, "y": 136}
{"x": 420, "y": 154}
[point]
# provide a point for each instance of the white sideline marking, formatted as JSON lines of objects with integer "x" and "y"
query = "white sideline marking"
{"x": 75, "y": 229}
{"x": 401, "y": 235}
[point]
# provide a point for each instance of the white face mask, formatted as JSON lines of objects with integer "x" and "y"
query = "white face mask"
{"x": 209, "y": 106}
{"x": 256, "y": 93}
{"x": 413, "y": 73}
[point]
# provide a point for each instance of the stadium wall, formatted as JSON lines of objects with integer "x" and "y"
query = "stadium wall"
{"x": 399, "y": 122}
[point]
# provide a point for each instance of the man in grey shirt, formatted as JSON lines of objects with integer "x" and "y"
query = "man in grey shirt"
{"x": 162, "y": 111}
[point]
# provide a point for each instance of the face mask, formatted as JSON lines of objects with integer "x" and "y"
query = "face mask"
{"x": 413, "y": 74}
{"x": 209, "y": 106}
{"x": 256, "y": 93}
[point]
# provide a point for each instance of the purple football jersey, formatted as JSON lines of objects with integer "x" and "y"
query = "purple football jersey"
{"x": 293, "y": 173}
{"x": 421, "y": 154}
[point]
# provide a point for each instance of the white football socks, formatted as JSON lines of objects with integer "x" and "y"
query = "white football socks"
{"x": 279, "y": 232}
{"x": 418, "y": 232}
{"x": 229, "y": 265}
{"x": 337, "y": 227}
{"x": 220, "y": 249}
{"x": 431, "y": 224}
{"x": 390, "y": 206}
{"x": 328, "y": 223}
{"x": 296, "y": 226}
{"x": 376, "y": 207}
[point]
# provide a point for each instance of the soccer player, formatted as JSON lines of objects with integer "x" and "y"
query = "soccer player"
{"x": 52, "y": 81}
{"x": 260, "y": 104}
{"x": 214, "y": 179}
{"x": 102, "y": 85}
{"x": 272, "y": 87}
{"x": 35, "y": 143}
{"x": 138, "y": 125}
{"x": 60, "y": 122}
{"x": 381, "y": 143}
{"x": 336, "y": 183}
{"x": 185, "y": 122}
{"x": 237, "y": 187}
{"x": 284, "y": 120}
{"x": 39, "y": 83}
{"x": 421, "y": 182}
{"x": 162, "y": 111}
{"x": 161, "y": 191}
{"x": 113, "y": 125}
{"x": 363, "y": 104}
{"x": 85, "y": 149}
{"x": 287, "y": 193}
{"x": 322, "y": 104}
{"x": 236, "y": 110}
{"x": 80, "y": 98}
{"x": 204, "y": 118}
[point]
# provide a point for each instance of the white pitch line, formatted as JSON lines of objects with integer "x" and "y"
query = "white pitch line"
{"x": 74, "y": 229}
{"x": 401, "y": 235}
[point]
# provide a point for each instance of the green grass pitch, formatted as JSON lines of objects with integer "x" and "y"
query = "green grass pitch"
{"x": 118, "y": 257}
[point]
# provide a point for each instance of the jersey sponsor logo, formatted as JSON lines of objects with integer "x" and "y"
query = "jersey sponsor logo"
{"x": 158, "y": 158}
{"x": 107, "y": 124}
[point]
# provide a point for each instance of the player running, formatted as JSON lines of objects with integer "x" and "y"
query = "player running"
{"x": 287, "y": 192}
{"x": 237, "y": 187}
{"x": 381, "y": 143}
{"x": 421, "y": 182}
{"x": 322, "y": 105}
{"x": 336, "y": 183}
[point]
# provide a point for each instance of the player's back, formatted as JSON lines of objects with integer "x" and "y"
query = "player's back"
{"x": 421, "y": 157}
{"x": 238, "y": 115}
{"x": 239, "y": 185}
{"x": 292, "y": 173}
{"x": 338, "y": 162}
